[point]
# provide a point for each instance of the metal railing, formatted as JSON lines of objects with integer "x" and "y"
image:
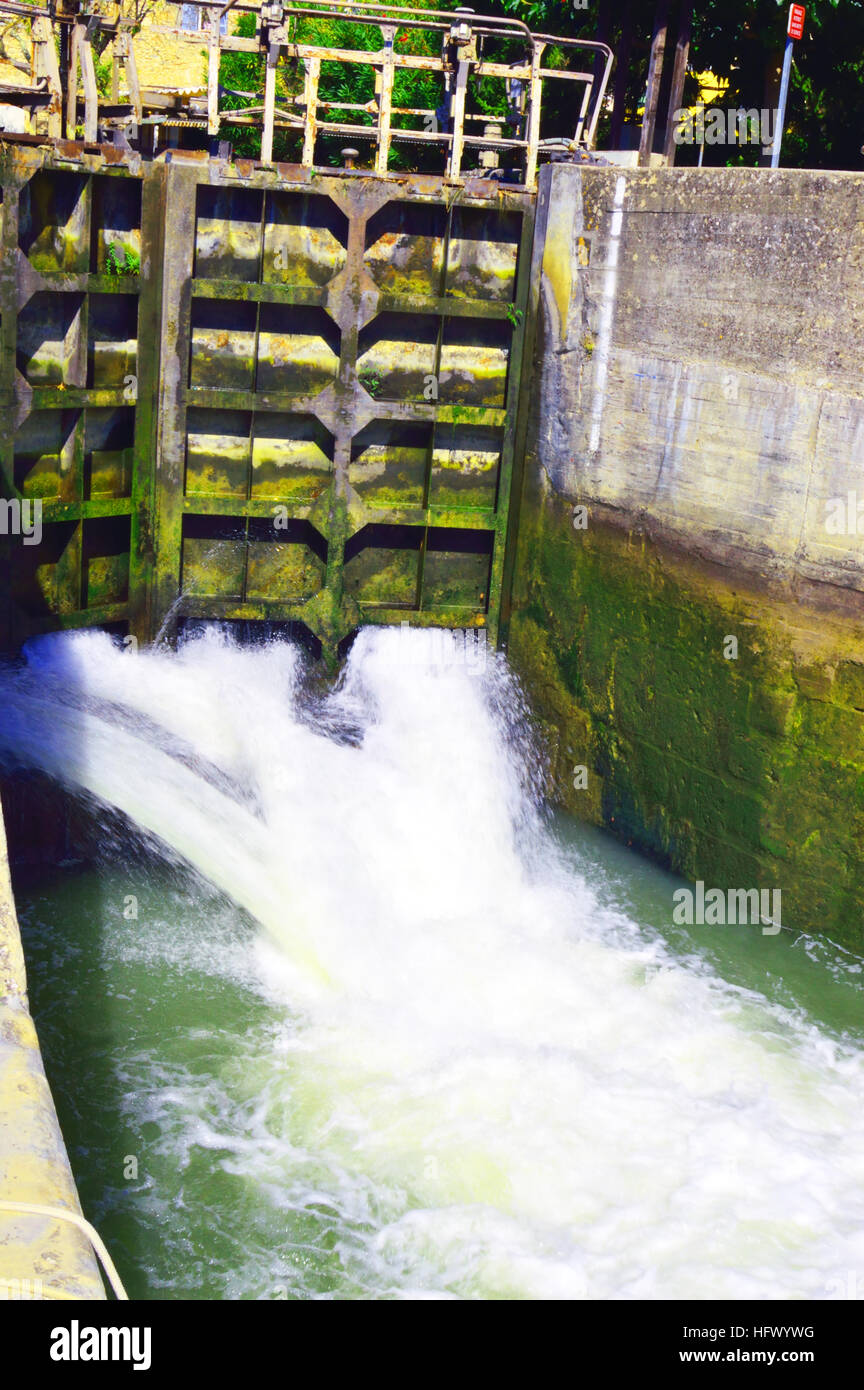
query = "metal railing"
{"x": 461, "y": 48}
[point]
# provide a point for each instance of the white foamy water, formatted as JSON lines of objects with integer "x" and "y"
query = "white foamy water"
{"x": 517, "y": 1090}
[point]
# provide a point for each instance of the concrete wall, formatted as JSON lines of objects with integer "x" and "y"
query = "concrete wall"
{"x": 698, "y": 389}
{"x": 41, "y": 1257}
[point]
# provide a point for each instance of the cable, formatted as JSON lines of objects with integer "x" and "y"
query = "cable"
{"x": 33, "y": 1209}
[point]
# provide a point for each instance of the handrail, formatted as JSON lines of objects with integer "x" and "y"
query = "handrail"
{"x": 599, "y": 47}
{"x": 83, "y": 1225}
{"x": 336, "y": 9}
{"x": 460, "y": 58}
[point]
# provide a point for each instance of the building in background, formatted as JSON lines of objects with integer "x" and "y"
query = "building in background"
{"x": 170, "y": 54}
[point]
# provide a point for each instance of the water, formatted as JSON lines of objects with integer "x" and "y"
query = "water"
{"x": 362, "y": 1021}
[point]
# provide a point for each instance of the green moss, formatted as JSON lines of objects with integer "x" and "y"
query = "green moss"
{"x": 289, "y": 572}
{"x": 745, "y": 772}
{"x": 107, "y": 580}
{"x": 43, "y": 479}
{"x": 386, "y": 578}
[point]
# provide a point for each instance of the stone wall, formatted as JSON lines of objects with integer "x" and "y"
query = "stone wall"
{"x": 694, "y": 638}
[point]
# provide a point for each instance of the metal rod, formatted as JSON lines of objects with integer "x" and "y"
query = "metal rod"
{"x": 269, "y": 103}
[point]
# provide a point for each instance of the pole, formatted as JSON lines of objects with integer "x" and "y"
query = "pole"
{"x": 781, "y": 105}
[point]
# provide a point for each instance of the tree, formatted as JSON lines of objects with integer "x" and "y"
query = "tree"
{"x": 15, "y": 44}
{"x": 742, "y": 41}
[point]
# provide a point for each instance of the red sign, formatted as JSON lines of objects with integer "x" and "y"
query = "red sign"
{"x": 795, "y": 27}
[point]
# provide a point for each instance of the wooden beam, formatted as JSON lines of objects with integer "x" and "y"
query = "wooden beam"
{"x": 46, "y": 67}
{"x": 679, "y": 73}
{"x": 72, "y": 81}
{"x": 132, "y": 83}
{"x": 655, "y": 76}
{"x": 91, "y": 92}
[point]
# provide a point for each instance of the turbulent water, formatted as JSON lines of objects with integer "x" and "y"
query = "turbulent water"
{"x": 449, "y": 1061}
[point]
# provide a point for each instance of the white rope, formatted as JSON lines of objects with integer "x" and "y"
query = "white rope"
{"x": 33, "y": 1209}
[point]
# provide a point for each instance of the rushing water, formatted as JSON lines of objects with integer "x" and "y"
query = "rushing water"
{"x": 467, "y": 1055}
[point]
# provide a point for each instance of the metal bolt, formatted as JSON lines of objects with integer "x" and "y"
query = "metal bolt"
{"x": 461, "y": 32}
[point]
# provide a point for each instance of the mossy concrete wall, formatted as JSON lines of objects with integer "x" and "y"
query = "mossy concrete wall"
{"x": 687, "y": 608}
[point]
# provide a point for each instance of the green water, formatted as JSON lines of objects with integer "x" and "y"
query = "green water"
{"x": 184, "y": 1095}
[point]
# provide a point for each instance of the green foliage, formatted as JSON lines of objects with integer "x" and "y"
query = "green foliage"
{"x": 125, "y": 262}
{"x": 370, "y": 381}
{"x": 244, "y": 72}
{"x": 103, "y": 74}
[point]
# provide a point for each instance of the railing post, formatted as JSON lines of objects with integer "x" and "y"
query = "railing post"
{"x": 583, "y": 112}
{"x": 272, "y": 36}
{"x": 213, "y": 73}
{"x": 385, "y": 100}
{"x": 269, "y": 103}
{"x": 464, "y": 49}
{"x": 310, "y": 96}
{"x": 535, "y": 98}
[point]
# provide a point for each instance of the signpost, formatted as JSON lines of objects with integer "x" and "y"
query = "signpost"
{"x": 794, "y": 30}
